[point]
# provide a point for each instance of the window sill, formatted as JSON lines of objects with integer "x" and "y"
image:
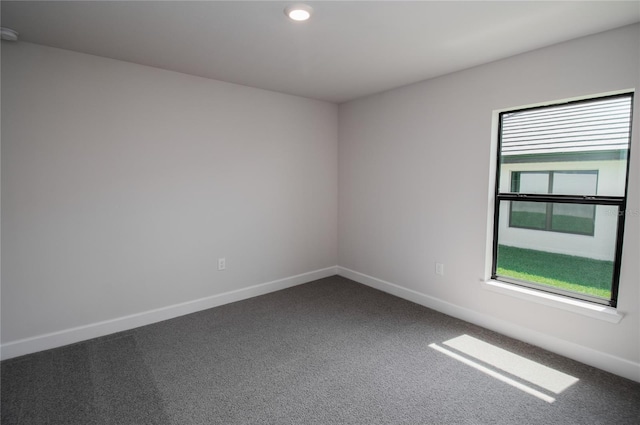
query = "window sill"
{"x": 601, "y": 312}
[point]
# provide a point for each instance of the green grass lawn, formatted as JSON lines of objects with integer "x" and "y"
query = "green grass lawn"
{"x": 579, "y": 274}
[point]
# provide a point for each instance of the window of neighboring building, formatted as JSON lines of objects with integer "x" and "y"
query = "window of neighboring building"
{"x": 560, "y": 197}
{"x": 579, "y": 219}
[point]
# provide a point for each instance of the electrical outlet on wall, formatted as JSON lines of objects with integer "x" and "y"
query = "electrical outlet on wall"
{"x": 222, "y": 263}
{"x": 440, "y": 269}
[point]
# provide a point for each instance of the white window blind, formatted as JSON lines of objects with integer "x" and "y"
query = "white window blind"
{"x": 601, "y": 125}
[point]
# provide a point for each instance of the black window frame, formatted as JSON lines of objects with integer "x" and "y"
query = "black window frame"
{"x": 619, "y": 201}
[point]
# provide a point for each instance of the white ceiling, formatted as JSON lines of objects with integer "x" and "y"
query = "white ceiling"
{"x": 347, "y": 50}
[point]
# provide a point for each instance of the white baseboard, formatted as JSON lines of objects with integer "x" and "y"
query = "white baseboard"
{"x": 604, "y": 361}
{"x": 94, "y": 330}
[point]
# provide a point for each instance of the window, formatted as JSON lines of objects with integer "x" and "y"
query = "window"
{"x": 579, "y": 219}
{"x": 560, "y": 197}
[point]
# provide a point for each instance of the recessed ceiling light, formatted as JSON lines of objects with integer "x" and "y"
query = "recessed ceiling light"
{"x": 298, "y": 12}
{"x": 8, "y": 34}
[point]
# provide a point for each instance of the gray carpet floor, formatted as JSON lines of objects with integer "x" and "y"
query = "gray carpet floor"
{"x": 327, "y": 352}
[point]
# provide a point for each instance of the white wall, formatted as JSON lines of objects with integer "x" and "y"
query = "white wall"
{"x": 415, "y": 185}
{"x": 123, "y": 184}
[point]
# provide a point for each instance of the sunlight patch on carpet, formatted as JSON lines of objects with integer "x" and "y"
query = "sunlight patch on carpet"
{"x": 493, "y": 361}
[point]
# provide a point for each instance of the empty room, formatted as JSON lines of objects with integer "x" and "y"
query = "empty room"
{"x": 324, "y": 212}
